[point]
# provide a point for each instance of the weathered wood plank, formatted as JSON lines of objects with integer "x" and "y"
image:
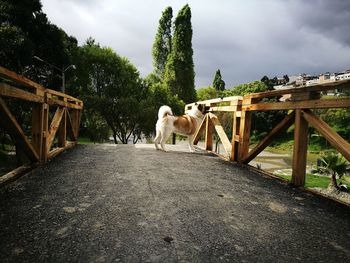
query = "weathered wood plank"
{"x": 37, "y": 128}
{"x": 56, "y": 102}
{"x": 55, "y": 123}
{"x": 53, "y": 153}
{"x": 63, "y": 95}
{"x": 235, "y": 136}
{"x": 8, "y": 74}
{"x": 217, "y": 100}
{"x": 14, "y": 174}
{"x": 300, "y": 149}
{"x": 223, "y": 108}
{"x": 62, "y": 130}
{"x": 11, "y": 125}
{"x": 7, "y": 90}
{"x": 343, "y": 84}
{"x": 244, "y": 131}
{"x": 71, "y": 126}
{"x": 200, "y": 131}
{"x": 208, "y": 134}
{"x": 293, "y": 105}
{"x": 45, "y": 149}
{"x": 328, "y": 133}
{"x": 282, "y": 126}
{"x": 221, "y": 133}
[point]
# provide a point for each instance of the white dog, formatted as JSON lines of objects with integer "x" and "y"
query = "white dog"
{"x": 186, "y": 125}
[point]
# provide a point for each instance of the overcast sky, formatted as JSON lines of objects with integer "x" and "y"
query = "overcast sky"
{"x": 245, "y": 39}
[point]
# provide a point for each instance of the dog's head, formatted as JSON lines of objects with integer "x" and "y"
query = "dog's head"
{"x": 198, "y": 110}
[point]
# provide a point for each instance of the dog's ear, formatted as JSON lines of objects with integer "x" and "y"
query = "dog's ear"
{"x": 196, "y": 103}
{"x": 200, "y": 107}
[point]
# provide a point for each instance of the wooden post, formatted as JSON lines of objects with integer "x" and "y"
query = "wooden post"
{"x": 244, "y": 131}
{"x": 300, "y": 149}
{"x": 62, "y": 131}
{"x": 45, "y": 132}
{"x": 37, "y": 129}
{"x": 235, "y": 129}
{"x": 208, "y": 134}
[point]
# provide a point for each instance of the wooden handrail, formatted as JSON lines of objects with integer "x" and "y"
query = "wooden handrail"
{"x": 315, "y": 88}
{"x": 300, "y": 106}
{"x": 8, "y": 74}
{"x": 38, "y": 146}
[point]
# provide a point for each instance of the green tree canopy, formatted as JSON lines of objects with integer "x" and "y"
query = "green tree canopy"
{"x": 218, "y": 82}
{"x": 112, "y": 87}
{"x": 26, "y": 32}
{"x": 162, "y": 43}
{"x": 206, "y": 93}
{"x": 179, "y": 71}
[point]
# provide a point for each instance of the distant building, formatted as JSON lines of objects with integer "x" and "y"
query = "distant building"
{"x": 309, "y": 80}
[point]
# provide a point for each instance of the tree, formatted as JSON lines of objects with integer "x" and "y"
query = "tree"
{"x": 162, "y": 43}
{"x": 179, "y": 71}
{"x": 334, "y": 165}
{"x": 26, "y": 32}
{"x": 218, "y": 83}
{"x": 206, "y": 93}
{"x": 112, "y": 87}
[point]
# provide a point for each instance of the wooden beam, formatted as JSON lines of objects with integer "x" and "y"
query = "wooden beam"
{"x": 217, "y": 100}
{"x": 221, "y": 133}
{"x": 62, "y": 130}
{"x": 8, "y": 121}
{"x": 293, "y": 105}
{"x": 208, "y": 134}
{"x": 200, "y": 131}
{"x": 235, "y": 136}
{"x": 45, "y": 149}
{"x": 14, "y": 174}
{"x": 328, "y": 133}
{"x": 10, "y": 91}
{"x": 342, "y": 84}
{"x": 244, "y": 132}
{"x": 223, "y": 108}
{"x": 54, "y": 126}
{"x": 71, "y": 130}
{"x": 282, "y": 126}
{"x": 63, "y": 95}
{"x": 8, "y": 74}
{"x": 299, "y": 150}
{"x": 37, "y": 128}
{"x": 56, "y": 102}
{"x": 57, "y": 151}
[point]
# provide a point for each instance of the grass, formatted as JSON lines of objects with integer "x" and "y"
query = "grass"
{"x": 84, "y": 140}
{"x": 312, "y": 180}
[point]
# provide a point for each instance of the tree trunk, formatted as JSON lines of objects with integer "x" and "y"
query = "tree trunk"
{"x": 333, "y": 182}
{"x": 115, "y": 138}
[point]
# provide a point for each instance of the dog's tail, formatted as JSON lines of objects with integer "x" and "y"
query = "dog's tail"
{"x": 164, "y": 111}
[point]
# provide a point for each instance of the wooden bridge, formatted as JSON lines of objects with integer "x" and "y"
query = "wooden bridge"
{"x": 131, "y": 203}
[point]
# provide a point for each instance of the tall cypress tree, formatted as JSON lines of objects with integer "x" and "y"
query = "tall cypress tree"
{"x": 179, "y": 71}
{"x": 162, "y": 43}
{"x": 218, "y": 83}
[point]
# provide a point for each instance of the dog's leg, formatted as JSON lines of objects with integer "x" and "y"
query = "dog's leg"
{"x": 157, "y": 139}
{"x": 165, "y": 136}
{"x": 190, "y": 143}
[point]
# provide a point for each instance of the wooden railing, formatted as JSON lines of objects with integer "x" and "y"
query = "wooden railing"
{"x": 298, "y": 102}
{"x": 38, "y": 145}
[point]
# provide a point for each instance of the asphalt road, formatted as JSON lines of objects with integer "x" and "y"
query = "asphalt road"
{"x": 101, "y": 203}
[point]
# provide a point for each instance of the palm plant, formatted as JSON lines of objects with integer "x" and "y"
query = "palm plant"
{"x": 335, "y": 165}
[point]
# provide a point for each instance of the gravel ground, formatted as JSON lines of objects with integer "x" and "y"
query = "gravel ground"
{"x": 124, "y": 203}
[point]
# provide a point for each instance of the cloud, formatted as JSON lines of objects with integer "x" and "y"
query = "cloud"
{"x": 244, "y": 39}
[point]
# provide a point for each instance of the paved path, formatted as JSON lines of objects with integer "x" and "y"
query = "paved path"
{"x": 100, "y": 203}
